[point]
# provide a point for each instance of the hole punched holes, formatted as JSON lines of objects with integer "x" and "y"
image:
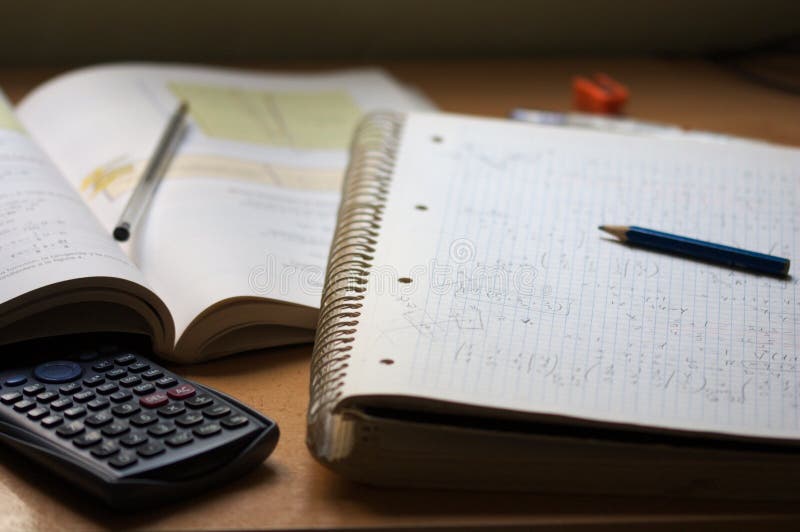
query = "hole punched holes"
{"x": 387, "y": 361}
{"x": 421, "y": 207}
{"x": 404, "y": 280}
{"x": 437, "y": 139}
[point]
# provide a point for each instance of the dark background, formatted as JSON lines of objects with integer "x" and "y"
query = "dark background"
{"x": 71, "y": 32}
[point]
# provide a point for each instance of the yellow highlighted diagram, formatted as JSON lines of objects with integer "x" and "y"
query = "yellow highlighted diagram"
{"x": 294, "y": 119}
{"x": 303, "y": 120}
{"x": 119, "y": 176}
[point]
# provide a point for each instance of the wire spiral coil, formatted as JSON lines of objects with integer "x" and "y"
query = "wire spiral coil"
{"x": 364, "y": 195}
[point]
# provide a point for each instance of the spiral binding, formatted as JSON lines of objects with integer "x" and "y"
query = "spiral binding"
{"x": 366, "y": 185}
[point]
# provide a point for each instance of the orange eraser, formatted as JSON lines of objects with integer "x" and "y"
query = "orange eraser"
{"x": 601, "y": 94}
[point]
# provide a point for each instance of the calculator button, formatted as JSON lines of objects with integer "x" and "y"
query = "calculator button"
{"x": 128, "y": 409}
{"x": 104, "y": 365}
{"x": 217, "y": 411}
{"x": 10, "y": 398}
{"x": 234, "y": 422}
{"x": 154, "y": 400}
{"x": 124, "y": 360}
{"x": 16, "y": 380}
{"x": 166, "y": 382}
{"x": 38, "y": 413}
{"x": 57, "y": 371}
{"x": 98, "y": 404}
{"x": 115, "y": 429}
{"x": 61, "y": 404}
{"x": 143, "y": 419}
{"x": 121, "y": 396}
{"x": 99, "y": 419}
{"x": 209, "y": 429}
{"x": 88, "y": 439}
{"x": 182, "y": 438}
{"x": 107, "y": 388}
{"x": 130, "y": 381}
{"x": 69, "y": 389}
{"x": 187, "y": 420}
{"x": 138, "y": 367}
{"x": 181, "y": 392}
{"x": 123, "y": 460}
{"x": 172, "y": 410}
{"x": 199, "y": 401}
{"x": 70, "y": 429}
{"x": 74, "y": 412}
{"x": 153, "y": 374}
{"x": 84, "y": 396}
{"x": 105, "y": 449}
{"x": 47, "y": 397}
{"x": 94, "y": 380}
{"x": 144, "y": 389}
{"x": 150, "y": 449}
{"x": 33, "y": 389}
{"x": 161, "y": 429}
{"x": 133, "y": 439}
{"x": 51, "y": 421}
{"x": 116, "y": 374}
{"x": 24, "y": 405}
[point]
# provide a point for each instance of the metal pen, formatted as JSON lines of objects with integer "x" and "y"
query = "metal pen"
{"x": 156, "y": 168}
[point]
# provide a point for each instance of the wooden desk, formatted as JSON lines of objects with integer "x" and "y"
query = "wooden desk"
{"x": 291, "y": 490}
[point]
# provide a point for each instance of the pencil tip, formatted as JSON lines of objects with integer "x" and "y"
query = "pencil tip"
{"x": 615, "y": 230}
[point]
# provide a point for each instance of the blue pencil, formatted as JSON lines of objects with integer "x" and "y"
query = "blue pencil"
{"x": 697, "y": 249}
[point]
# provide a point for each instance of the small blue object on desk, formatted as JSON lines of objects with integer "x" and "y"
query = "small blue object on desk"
{"x": 697, "y": 249}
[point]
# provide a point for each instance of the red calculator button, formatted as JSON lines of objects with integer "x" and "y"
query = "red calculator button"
{"x": 154, "y": 400}
{"x": 181, "y": 392}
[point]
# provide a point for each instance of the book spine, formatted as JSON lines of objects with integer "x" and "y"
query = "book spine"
{"x": 364, "y": 195}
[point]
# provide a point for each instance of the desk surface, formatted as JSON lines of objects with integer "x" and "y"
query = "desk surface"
{"x": 291, "y": 490}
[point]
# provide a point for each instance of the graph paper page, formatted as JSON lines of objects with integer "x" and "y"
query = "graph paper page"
{"x": 517, "y": 301}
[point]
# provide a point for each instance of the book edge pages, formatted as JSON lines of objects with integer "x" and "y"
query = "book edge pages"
{"x": 378, "y": 450}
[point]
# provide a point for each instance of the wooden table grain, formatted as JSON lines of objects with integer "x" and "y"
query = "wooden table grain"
{"x": 290, "y": 490}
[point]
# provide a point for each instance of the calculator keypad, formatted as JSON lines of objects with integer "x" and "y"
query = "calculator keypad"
{"x": 121, "y": 410}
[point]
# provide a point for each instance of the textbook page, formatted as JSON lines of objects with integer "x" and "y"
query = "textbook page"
{"x": 248, "y": 206}
{"x": 511, "y": 298}
{"x": 47, "y": 235}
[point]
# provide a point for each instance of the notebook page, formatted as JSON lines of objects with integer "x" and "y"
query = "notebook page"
{"x": 517, "y": 301}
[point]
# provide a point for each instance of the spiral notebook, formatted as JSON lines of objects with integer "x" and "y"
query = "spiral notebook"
{"x": 478, "y": 331}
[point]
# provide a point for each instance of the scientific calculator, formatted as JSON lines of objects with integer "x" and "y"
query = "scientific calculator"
{"x": 112, "y": 421}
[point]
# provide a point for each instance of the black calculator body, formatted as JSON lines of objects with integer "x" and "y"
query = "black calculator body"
{"x": 107, "y": 418}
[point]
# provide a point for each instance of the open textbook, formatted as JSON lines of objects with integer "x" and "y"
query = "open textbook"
{"x": 478, "y": 331}
{"x": 231, "y": 254}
